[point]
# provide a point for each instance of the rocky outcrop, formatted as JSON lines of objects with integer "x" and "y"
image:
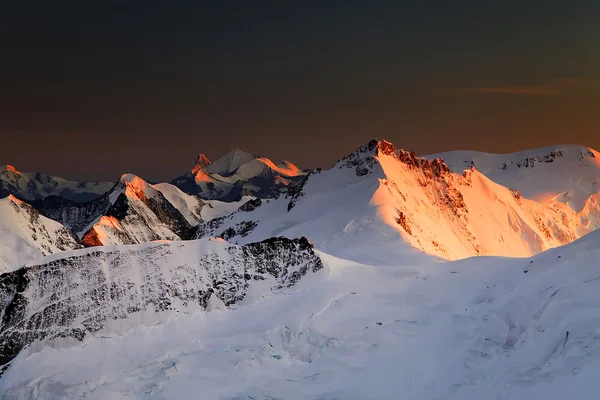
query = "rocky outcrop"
{"x": 362, "y": 160}
{"x": 530, "y": 162}
{"x": 250, "y": 205}
{"x": 81, "y": 294}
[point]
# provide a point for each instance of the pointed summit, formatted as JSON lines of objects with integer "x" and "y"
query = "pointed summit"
{"x": 230, "y": 162}
{"x": 9, "y": 168}
{"x": 201, "y": 162}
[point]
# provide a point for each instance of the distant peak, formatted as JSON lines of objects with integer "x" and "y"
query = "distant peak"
{"x": 11, "y": 169}
{"x": 201, "y": 162}
{"x": 230, "y": 162}
{"x": 239, "y": 151}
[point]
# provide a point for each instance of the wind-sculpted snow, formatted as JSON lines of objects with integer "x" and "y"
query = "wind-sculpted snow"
{"x": 114, "y": 289}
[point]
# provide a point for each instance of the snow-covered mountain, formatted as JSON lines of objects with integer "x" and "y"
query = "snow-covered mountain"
{"x": 374, "y": 311}
{"x": 237, "y": 174}
{"x": 36, "y": 186}
{"x": 482, "y": 328}
{"x": 26, "y": 235}
{"x": 380, "y": 203}
{"x": 110, "y": 290}
{"x": 134, "y": 211}
{"x": 564, "y": 173}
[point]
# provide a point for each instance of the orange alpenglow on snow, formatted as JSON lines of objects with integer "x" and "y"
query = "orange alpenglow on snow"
{"x": 12, "y": 169}
{"x": 286, "y": 167}
{"x": 201, "y": 176}
{"x": 109, "y": 221}
{"x": 15, "y": 200}
{"x": 201, "y": 162}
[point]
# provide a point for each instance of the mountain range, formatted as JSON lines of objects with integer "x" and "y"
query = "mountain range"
{"x": 280, "y": 255}
{"x": 451, "y": 205}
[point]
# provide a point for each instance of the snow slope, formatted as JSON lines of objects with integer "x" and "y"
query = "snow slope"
{"x": 481, "y": 328}
{"x": 108, "y": 291}
{"x": 35, "y": 186}
{"x": 26, "y": 235}
{"x": 236, "y": 174}
{"x": 380, "y": 204}
{"x": 564, "y": 173}
{"x": 195, "y": 209}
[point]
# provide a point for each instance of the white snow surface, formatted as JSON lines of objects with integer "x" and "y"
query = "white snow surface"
{"x": 139, "y": 225}
{"x": 564, "y": 173}
{"x": 230, "y": 162}
{"x": 195, "y": 209}
{"x": 389, "y": 317}
{"x": 25, "y": 235}
{"x": 481, "y": 328}
{"x": 451, "y": 216}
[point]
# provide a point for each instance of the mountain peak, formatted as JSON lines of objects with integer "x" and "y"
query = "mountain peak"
{"x": 364, "y": 158}
{"x": 230, "y": 162}
{"x": 134, "y": 182}
{"x": 10, "y": 168}
{"x": 201, "y": 162}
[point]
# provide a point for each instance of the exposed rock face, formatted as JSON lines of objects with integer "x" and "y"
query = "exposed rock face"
{"x": 363, "y": 159}
{"x": 530, "y": 162}
{"x": 201, "y": 163}
{"x": 250, "y": 205}
{"x": 209, "y": 228}
{"x": 241, "y": 229}
{"x": 75, "y": 216}
{"x": 297, "y": 191}
{"x": 78, "y": 295}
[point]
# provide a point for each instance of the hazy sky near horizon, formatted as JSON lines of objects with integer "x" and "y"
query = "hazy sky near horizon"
{"x": 92, "y": 90}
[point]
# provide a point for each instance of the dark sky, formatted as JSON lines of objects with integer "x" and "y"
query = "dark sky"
{"x": 89, "y": 90}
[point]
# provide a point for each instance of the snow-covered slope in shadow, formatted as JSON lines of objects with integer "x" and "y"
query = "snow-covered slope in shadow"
{"x": 480, "y": 328}
{"x": 109, "y": 290}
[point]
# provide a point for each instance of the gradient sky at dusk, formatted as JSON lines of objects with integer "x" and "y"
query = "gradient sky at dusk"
{"x": 90, "y": 91}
